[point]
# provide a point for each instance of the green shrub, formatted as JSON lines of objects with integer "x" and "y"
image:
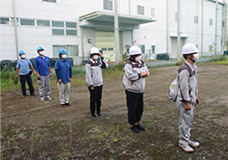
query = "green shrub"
{"x": 163, "y": 56}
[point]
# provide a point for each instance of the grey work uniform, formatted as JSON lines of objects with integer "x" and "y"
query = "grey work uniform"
{"x": 134, "y": 86}
{"x": 94, "y": 79}
{"x": 189, "y": 89}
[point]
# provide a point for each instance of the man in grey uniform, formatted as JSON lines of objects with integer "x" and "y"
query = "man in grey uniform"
{"x": 187, "y": 97}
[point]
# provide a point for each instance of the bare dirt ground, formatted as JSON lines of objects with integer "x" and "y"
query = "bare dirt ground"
{"x": 42, "y": 130}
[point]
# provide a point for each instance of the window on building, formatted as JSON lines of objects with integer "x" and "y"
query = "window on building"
{"x": 210, "y": 22}
{"x": 196, "y": 19}
{"x": 57, "y": 31}
{"x": 140, "y": 10}
{"x": 72, "y": 50}
{"x": 57, "y": 24}
{"x": 152, "y": 49}
{"x": 153, "y": 12}
{"x": 70, "y": 32}
{"x": 4, "y": 21}
{"x": 108, "y": 5}
{"x": 43, "y": 23}
{"x": 12, "y": 21}
{"x": 142, "y": 47}
{"x": 49, "y": 1}
{"x": 71, "y": 25}
{"x": 27, "y": 22}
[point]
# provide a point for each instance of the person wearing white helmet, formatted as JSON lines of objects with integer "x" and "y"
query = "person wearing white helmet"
{"x": 94, "y": 80}
{"x": 187, "y": 96}
{"x": 134, "y": 83}
{"x": 23, "y": 66}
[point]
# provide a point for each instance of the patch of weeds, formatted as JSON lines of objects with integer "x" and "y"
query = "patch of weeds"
{"x": 39, "y": 136}
{"x": 98, "y": 134}
{"x": 25, "y": 133}
{"x": 112, "y": 151}
{"x": 148, "y": 120}
{"x": 158, "y": 117}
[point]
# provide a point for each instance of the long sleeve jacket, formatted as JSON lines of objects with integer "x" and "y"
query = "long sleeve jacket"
{"x": 132, "y": 79}
{"x": 93, "y": 72}
{"x": 188, "y": 85}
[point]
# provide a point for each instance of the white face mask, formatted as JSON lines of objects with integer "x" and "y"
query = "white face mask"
{"x": 137, "y": 59}
{"x": 95, "y": 57}
{"x": 23, "y": 56}
{"x": 64, "y": 56}
{"x": 196, "y": 57}
{"x": 42, "y": 53}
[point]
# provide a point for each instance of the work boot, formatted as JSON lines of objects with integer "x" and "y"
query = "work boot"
{"x": 139, "y": 127}
{"x": 134, "y": 129}
{"x": 62, "y": 105}
{"x": 94, "y": 116}
{"x": 99, "y": 115}
{"x": 67, "y": 104}
{"x": 186, "y": 147}
{"x": 193, "y": 144}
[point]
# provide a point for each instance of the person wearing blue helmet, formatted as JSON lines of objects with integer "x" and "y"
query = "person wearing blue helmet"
{"x": 63, "y": 69}
{"x": 43, "y": 71}
{"x": 23, "y": 66}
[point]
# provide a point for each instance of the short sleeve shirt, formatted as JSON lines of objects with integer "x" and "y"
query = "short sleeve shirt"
{"x": 24, "y": 66}
{"x": 42, "y": 65}
{"x": 64, "y": 67}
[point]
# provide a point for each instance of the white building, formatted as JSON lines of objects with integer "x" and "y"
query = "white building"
{"x": 82, "y": 24}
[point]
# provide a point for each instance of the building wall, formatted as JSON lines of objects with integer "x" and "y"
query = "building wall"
{"x": 151, "y": 34}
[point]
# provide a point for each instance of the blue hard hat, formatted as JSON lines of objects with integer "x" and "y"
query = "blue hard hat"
{"x": 21, "y": 52}
{"x": 40, "y": 48}
{"x": 62, "y": 51}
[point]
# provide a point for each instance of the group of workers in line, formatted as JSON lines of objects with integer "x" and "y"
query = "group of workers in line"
{"x": 135, "y": 72}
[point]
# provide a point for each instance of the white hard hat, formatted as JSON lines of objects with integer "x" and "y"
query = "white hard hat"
{"x": 94, "y": 50}
{"x": 189, "y": 48}
{"x": 134, "y": 50}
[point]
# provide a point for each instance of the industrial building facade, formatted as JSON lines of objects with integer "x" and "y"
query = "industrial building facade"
{"x": 78, "y": 25}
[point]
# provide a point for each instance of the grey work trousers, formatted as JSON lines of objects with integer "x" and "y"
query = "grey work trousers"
{"x": 185, "y": 121}
{"x": 64, "y": 92}
{"x": 44, "y": 82}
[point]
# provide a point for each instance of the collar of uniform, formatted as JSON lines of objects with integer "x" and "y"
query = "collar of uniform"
{"x": 140, "y": 62}
{"x": 193, "y": 67}
{"x": 92, "y": 61}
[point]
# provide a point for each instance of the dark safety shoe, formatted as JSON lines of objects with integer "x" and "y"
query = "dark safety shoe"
{"x": 67, "y": 104}
{"x": 62, "y": 105}
{"x": 139, "y": 127}
{"x": 134, "y": 129}
{"x": 99, "y": 115}
{"x": 94, "y": 116}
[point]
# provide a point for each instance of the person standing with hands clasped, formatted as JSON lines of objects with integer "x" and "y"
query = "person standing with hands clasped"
{"x": 134, "y": 83}
{"x": 63, "y": 69}
{"x": 187, "y": 97}
{"x": 24, "y": 65}
{"x": 43, "y": 71}
{"x": 94, "y": 80}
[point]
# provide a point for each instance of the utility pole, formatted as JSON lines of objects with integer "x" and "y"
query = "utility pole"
{"x": 117, "y": 56}
{"x": 178, "y": 31}
{"x": 15, "y": 28}
{"x": 202, "y": 27}
{"x": 216, "y": 32}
